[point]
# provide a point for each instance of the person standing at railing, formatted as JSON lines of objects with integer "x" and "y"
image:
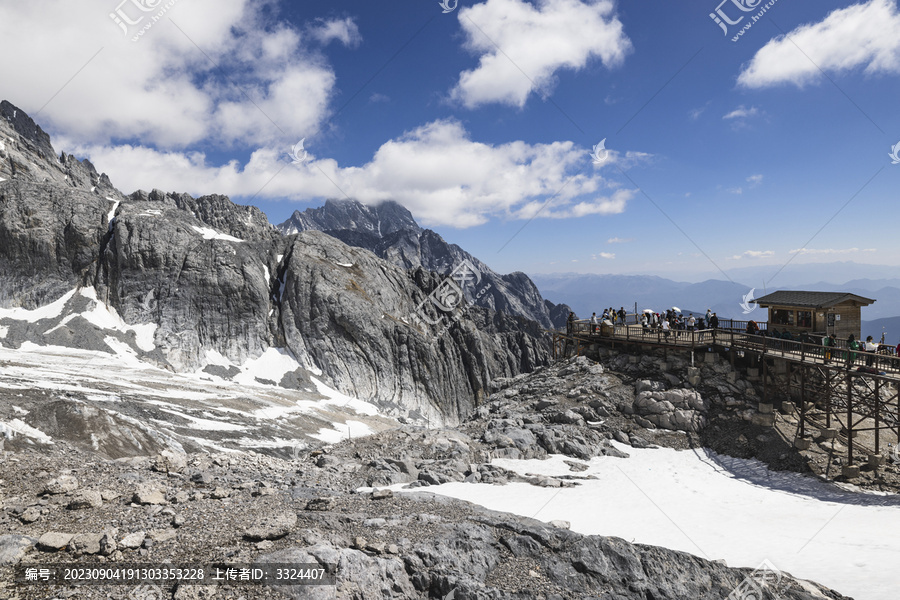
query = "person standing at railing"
{"x": 665, "y": 328}
{"x": 852, "y": 344}
{"x": 709, "y": 314}
{"x": 691, "y": 322}
{"x": 593, "y": 323}
{"x": 714, "y": 324}
{"x": 870, "y": 348}
{"x": 828, "y": 344}
{"x": 570, "y": 323}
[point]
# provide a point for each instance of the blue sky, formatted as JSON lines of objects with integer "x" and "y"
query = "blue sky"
{"x": 722, "y": 153}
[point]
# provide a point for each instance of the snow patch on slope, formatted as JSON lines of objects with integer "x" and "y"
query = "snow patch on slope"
{"x": 48, "y": 311}
{"x": 717, "y": 507}
{"x": 17, "y": 427}
{"x": 212, "y": 234}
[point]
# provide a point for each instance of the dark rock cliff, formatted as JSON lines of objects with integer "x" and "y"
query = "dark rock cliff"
{"x": 216, "y": 281}
{"x": 390, "y": 231}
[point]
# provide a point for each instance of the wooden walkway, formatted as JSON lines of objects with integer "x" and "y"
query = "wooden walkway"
{"x": 583, "y": 333}
{"x": 836, "y": 392}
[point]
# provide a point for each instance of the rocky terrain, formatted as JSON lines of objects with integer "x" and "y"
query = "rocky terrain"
{"x": 391, "y": 232}
{"x": 203, "y": 285}
{"x": 61, "y": 504}
{"x": 172, "y": 380}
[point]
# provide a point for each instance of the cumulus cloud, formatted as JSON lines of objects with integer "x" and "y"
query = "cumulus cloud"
{"x": 618, "y": 240}
{"x": 863, "y": 35}
{"x": 343, "y": 30}
{"x": 753, "y": 254}
{"x": 437, "y": 171}
{"x": 206, "y": 71}
{"x": 742, "y": 112}
{"x": 522, "y": 46}
{"x": 606, "y": 255}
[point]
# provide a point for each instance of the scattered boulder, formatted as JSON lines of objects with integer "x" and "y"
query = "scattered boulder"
{"x": 85, "y": 499}
{"x": 170, "y": 462}
{"x": 86, "y": 543}
{"x": 54, "y": 540}
{"x": 149, "y": 494}
{"x": 63, "y": 484}
{"x": 272, "y": 527}
{"x": 133, "y": 541}
{"x": 31, "y": 514}
{"x": 14, "y": 547}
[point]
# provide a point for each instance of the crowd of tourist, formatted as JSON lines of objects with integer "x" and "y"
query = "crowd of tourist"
{"x": 672, "y": 323}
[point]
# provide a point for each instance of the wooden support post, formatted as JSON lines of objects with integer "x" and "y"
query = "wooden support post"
{"x": 849, "y": 419}
{"x": 802, "y": 401}
{"x": 828, "y": 391}
{"x": 877, "y": 413}
{"x": 765, "y": 380}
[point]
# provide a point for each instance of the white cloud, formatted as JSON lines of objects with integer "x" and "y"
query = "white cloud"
{"x": 343, "y": 30}
{"x": 831, "y": 250}
{"x": 207, "y": 71}
{"x": 618, "y": 240}
{"x": 436, "y": 171}
{"x": 742, "y": 112}
{"x": 736, "y": 190}
{"x": 695, "y": 113}
{"x": 862, "y": 35}
{"x": 606, "y": 255}
{"x": 754, "y": 180}
{"x": 522, "y": 45}
{"x": 753, "y": 254}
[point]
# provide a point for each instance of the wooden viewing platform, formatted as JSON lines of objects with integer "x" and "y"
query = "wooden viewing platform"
{"x": 823, "y": 386}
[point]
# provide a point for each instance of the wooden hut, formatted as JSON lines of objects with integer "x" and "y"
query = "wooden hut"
{"x": 820, "y": 313}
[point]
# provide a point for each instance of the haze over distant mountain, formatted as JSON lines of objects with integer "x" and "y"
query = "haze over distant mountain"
{"x": 589, "y": 293}
{"x": 390, "y": 231}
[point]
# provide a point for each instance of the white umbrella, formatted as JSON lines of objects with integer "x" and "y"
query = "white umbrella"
{"x": 648, "y": 311}
{"x": 676, "y": 309}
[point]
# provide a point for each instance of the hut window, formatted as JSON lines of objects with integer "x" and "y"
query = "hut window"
{"x": 781, "y": 316}
{"x": 804, "y": 319}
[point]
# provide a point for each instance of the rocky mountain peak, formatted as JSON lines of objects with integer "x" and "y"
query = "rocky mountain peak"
{"x": 390, "y": 231}
{"x": 28, "y": 130}
{"x": 342, "y": 214}
{"x": 26, "y": 154}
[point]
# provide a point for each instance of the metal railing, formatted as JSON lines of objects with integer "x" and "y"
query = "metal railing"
{"x": 737, "y": 337}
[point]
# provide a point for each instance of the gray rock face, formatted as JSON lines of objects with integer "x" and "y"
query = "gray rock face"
{"x": 390, "y": 231}
{"x": 50, "y": 238}
{"x": 205, "y": 275}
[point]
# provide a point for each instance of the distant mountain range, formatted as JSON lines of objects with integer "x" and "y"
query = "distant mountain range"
{"x": 589, "y": 293}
